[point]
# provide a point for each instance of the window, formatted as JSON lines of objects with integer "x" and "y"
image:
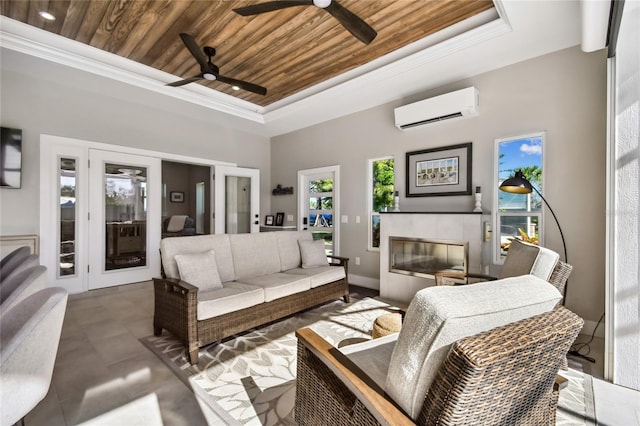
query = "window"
{"x": 380, "y": 195}
{"x": 518, "y": 215}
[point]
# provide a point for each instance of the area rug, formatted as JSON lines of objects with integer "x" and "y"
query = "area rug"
{"x": 249, "y": 379}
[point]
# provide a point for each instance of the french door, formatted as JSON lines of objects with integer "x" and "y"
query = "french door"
{"x": 237, "y": 200}
{"x": 318, "y": 205}
{"x": 125, "y": 202}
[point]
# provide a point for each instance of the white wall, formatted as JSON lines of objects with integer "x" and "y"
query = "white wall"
{"x": 563, "y": 93}
{"x": 623, "y": 310}
{"x": 88, "y": 107}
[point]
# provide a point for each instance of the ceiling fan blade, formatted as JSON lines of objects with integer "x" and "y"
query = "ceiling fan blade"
{"x": 352, "y": 22}
{"x": 195, "y": 50}
{"x": 186, "y": 81}
{"x": 270, "y": 6}
{"x": 243, "y": 85}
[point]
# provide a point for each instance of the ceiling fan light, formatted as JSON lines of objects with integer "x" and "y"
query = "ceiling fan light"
{"x": 46, "y": 15}
{"x": 322, "y": 3}
{"x": 235, "y": 87}
{"x": 209, "y": 76}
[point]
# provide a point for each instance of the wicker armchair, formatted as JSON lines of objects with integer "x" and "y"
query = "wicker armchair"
{"x": 522, "y": 258}
{"x": 502, "y": 376}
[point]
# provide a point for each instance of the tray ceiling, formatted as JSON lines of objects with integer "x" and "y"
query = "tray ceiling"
{"x": 286, "y": 51}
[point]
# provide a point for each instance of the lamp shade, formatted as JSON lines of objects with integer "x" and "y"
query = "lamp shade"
{"x": 517, "y": 184}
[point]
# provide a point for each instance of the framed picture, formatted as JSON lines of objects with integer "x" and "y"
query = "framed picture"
{"x": 439, "y": 171}
{"x": 176, "y": 196}
{"x": 279, "y": 219}
{"x": 268, "y": 221}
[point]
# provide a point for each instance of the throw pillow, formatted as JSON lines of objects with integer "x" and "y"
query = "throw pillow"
{"x": 312, "y": 254}
{"x": 199, "y": 269}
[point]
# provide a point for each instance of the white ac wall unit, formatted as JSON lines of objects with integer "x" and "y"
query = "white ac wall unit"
{"x": 461, "y": 103}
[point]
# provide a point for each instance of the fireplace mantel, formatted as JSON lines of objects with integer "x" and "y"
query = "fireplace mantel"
{"x": 440, "y": 225}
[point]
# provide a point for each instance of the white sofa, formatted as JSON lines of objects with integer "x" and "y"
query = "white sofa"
{"x": 214, "y": 286}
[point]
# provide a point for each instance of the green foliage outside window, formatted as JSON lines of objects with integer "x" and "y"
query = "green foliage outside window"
{"x": 383, "y": 177}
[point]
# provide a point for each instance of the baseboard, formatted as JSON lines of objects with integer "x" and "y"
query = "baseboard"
{"x": 366, "y": 282}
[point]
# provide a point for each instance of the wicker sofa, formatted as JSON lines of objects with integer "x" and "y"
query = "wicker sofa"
{"x": 466, "y": 355}
{"x": 215, "y": 286}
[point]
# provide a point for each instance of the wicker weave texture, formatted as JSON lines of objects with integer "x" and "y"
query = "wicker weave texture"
{"x": 176, "y": 312}
{"x": 502, "y": 376}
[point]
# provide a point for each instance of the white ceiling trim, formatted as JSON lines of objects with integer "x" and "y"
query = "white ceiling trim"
{"x": 36, "y": 42}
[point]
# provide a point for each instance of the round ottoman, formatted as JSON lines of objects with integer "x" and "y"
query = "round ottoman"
{"x": 386, "y": 324}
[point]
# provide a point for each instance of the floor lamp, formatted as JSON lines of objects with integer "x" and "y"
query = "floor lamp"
{"x": 521, "y": 185}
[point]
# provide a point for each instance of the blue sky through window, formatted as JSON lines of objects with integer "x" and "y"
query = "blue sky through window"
{"x": 514, "y": 155}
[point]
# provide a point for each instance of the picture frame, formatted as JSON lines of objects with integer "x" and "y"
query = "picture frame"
{"x": 439, "y": 171}
{"x": 176, "y": 196}
{"x": 268, "y": 220}
{"x": 279, "y": 219}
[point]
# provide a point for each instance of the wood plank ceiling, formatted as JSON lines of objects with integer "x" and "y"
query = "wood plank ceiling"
{"x": 285, "y": 51}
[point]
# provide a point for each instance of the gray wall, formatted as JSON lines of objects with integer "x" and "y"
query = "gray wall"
{"x": 563, "y": 93}
{"x": 52, "y": 99}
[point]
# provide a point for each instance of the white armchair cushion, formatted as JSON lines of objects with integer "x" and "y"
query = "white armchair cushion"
{"x": 438, "y": 316}
{"x": 30, "y": 334}
{"x": 525, "y": 258}
{"x": 199, "y": 269}
{"x": 373, "y": 356}
{"x": 313, "y": 254}
{"x": 22, "y": 284}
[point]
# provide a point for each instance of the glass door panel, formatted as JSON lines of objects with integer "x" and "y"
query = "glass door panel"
{"x": 237, "y": 205}
{"x": 67, "y": 214}
{"x": 321, "y": 211}
{"x": 125, "y": 216}
{"x": 237, "y": 200}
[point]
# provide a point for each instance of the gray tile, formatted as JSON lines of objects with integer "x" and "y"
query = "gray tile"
{"x": 118, "y": 347}
{"x": 143, "y": 374}
{"x": 47, "y": 412}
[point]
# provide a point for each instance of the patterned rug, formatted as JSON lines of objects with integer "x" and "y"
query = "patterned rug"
{"x": 250, "y": 379}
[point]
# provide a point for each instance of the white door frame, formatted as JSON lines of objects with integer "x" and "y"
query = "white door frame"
{"x": 221, "y": 172}
{"x": 51, "y": 148}
{"x": 302, "y": 206}
{"x": 98, "y": 276}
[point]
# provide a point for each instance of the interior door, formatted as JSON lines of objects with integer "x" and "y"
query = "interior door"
{"x": 237, "y": 200}
{"x": 124, "y": 218}
{"x": 319, "y": 205}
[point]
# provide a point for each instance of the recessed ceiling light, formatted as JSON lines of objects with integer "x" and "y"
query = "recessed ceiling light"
{"x": 46, "y": 15}
{"x": 235, "y": 87}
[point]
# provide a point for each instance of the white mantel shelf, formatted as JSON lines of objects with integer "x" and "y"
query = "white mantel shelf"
{"x": 437, "y": 225}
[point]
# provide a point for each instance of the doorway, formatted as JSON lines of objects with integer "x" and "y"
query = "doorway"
{"x": 319, "y": 205}
{"x": 237, "y": 200}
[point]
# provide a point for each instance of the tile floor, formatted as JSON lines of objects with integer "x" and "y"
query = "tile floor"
{"x": 104, "y": 376}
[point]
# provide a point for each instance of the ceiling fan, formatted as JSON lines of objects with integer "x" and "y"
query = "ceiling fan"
{"x": 352, "y": 22}
{"x": 209, "y": 71}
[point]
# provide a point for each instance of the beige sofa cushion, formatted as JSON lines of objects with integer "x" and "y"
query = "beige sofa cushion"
{"x": 438, "y": 316}
{"x": 254, "y": 254}
{"x": 288, "y": 248}
{"x": 229, "y": 298}
{"x": 321, "y": 275}
{"x": 219, "y": 243}
{"x": 313, "y": 254}
{"x": 525, "y": 258}
{"x": 199, "y": 269}
{"x": 279, "y": 284}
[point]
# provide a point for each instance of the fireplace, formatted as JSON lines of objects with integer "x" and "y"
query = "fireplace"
{"x": 423, "y": 257}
